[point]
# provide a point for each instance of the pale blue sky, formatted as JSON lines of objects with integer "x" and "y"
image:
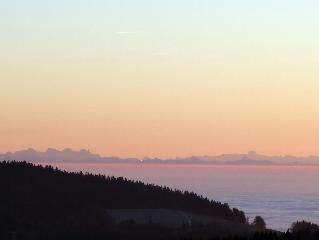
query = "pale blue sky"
{"x": 201, "y": 21}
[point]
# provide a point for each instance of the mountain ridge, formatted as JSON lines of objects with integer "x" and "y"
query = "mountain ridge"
{"x": 68, "y": 155}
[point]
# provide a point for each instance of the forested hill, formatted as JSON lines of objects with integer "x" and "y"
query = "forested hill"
{"x": 45, "y": 191}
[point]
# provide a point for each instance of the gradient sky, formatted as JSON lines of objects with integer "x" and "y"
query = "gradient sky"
{"x": 160, "y": 78}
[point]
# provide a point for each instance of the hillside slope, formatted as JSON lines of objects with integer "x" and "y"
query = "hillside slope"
{"x": 42, "y": 199}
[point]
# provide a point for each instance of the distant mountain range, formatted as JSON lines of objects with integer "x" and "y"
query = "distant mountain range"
{"x": 85, "y": 156}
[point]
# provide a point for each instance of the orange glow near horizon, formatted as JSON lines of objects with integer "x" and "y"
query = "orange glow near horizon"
{"x": 196, "y": 116}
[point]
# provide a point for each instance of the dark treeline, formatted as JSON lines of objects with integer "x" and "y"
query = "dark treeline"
{"x": 299, "y": 231}
{"x": 45, "y": 203}
{"x": 37, "y": 199}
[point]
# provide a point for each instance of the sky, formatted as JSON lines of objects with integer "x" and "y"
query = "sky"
{"x": 160, "y": 78}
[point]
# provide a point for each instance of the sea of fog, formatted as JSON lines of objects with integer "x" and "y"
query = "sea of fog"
{"x": 280, "y": 194}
